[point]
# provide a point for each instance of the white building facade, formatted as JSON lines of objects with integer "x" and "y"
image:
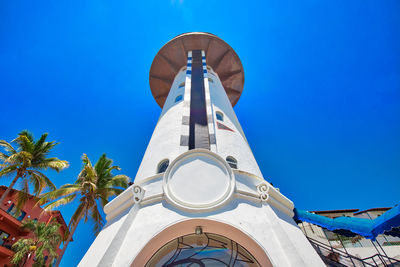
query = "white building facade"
{"x": 199, "y": 198}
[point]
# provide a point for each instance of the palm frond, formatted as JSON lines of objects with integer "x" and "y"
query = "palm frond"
{"x": 27, "y": 134}
{"x": 7, "y": 147}
{"x": 120, "y": 180}
{"x": 106, "y": 193}
{"x": 21, "y": 248}
{"x": 58, "y": 193}
{"x": 22, "y": 195}
{"x": 45, "y": 239}
{"x": 25, "y": 142}
{"x": 8, "y": 170}
{"x": 77, "y": 216}
{"x": 60, "y": 202}
{"x": 51, "y": 163}
{"x": 37, "y": 181}
{"x": 39, "y": 143}
{"x": 3, "y": 156}
{"x": 19, "y": 158}
{"x": 97, "y": 219}
{"x": 90, "y": 171}
{"x": 44, "y": 179}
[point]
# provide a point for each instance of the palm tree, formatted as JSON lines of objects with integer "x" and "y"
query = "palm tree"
{"x": 26, "y": 162}
{"x": 46, "y": 239}
{"x": 94, "y": 186}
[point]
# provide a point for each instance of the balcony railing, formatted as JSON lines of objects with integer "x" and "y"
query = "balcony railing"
{"x": 342, "y": 258}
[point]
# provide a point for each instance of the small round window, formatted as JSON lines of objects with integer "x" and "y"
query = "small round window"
{"x": 210, "y": 80}
{"x": 162, "y": 166}
{"x": 220, "y": 116}
{"x": 232, "y": 162}
{"x": 178, "y": 98}
{"x": 181, "y": 85}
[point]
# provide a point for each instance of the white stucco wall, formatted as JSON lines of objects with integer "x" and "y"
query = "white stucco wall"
{"x": 165, "y": 141}
{"x": 231, "y": 143}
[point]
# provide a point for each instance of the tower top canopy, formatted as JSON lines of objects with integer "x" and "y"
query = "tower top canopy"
{"x": 173, "y": 56}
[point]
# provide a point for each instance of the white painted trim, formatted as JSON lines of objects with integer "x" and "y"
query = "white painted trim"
{"x": 198, "y": 208}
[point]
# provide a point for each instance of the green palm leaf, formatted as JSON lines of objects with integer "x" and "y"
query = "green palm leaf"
{"x": 45, "y": 239}
{"x": 93, "y": 187}
{"x": 26, "y": 161}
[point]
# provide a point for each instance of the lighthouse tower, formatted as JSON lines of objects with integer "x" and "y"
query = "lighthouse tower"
{"x": 199, "y": 198}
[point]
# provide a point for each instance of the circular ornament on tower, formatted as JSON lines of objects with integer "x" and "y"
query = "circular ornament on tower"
{"x": 199, "y": 181}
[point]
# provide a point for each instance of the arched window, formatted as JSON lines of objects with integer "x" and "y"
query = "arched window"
{"x": 220, "y": 116}
{"x": 178, "y": 98}
{"x": 210, "y": 80}
{"x": 232, "y": 162}
{"x": 181, "y": 85}
{"x": 162, "y": 166}
{"x": 219, "y": 254}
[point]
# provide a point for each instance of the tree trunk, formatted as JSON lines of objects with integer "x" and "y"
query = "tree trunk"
{"x": 2, "y": 206}
{"x": 68, "y": 239}
{"x": 26, "y": 259}
{"x": 29, "y": 257}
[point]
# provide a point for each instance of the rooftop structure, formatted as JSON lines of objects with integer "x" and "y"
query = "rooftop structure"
{"x": 219, "y": 56}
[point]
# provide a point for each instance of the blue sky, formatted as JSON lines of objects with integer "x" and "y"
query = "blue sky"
{"x": 320, "y": 106}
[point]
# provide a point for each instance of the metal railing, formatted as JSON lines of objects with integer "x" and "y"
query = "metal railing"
{"x": 342, "y": 258}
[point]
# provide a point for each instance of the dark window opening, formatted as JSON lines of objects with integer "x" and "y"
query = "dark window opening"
{"x": 219, "y": 116}
{"x": 10, "y": 208}
{"x": 178, "y": 98}
{"x": 162, "y": 166}
{"x": 3, "y": 237}
{"x": 22, "y": 216}
{"x": 232, "y": 162}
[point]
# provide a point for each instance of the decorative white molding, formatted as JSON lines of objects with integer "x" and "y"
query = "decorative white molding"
{"x": 131, "y": 196}
{"x": 198, "y": 181}
{"x": 138, "y": 194}
{"x": 263, "y": 189}
{"x": 246, "y": 186}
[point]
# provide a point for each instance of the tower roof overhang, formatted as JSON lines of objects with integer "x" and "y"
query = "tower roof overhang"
{"x": 173, "y": 56}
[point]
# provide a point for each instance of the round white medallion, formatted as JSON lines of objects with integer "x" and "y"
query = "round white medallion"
{"x": 198, "y": 180}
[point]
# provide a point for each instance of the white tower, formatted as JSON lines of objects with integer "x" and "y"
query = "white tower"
{"x": 199, "y": 198}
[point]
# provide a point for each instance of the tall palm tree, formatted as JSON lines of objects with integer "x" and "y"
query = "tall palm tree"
{"x": 27, "y": 161}
{"x": 46, "y": 239}
{"x": 94, "y": 186}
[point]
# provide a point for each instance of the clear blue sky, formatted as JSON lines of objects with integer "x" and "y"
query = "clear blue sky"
{"x": 320, "y": 106}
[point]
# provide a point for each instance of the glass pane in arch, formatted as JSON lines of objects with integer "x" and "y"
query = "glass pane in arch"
{"x": 200, "y": 250}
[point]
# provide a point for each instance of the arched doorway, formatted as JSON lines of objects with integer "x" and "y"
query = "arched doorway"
{"x": 202, "y": 242}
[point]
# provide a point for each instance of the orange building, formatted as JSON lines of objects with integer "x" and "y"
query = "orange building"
{"x": 11, "y": 224}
